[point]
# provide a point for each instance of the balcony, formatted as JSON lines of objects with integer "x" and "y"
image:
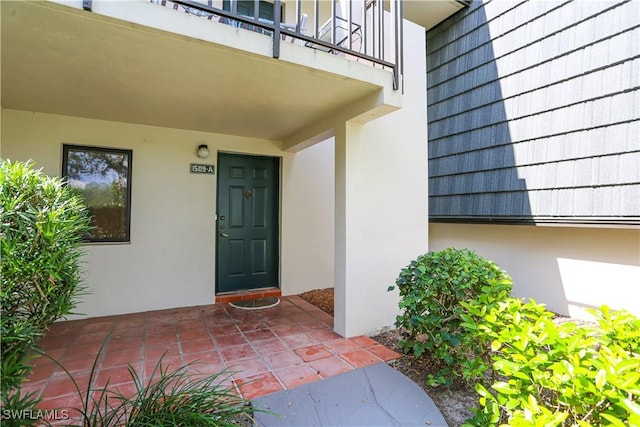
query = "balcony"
{"x": 196, "y": 66}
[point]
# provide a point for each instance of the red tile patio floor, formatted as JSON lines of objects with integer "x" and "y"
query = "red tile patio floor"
{"x": 269, "y": 349}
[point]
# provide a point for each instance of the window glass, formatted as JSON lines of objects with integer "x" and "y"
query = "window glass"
{"x": 102, "y": 177}
{"x": 247, "y": 8}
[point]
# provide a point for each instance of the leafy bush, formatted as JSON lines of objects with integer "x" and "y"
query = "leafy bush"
{"x": 432, "y": 288}
{"x": 40, "y": 233}
{"x": 179, "y": 397}
{"x": 559, "y": 374}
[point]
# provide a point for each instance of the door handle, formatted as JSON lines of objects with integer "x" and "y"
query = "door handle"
{"x": 224, "y": 235}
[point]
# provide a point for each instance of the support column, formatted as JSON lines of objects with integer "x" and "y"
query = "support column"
{"x": 342, "y": 176}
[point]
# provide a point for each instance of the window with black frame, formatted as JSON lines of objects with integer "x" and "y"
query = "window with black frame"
{"x": 102, "y": 177}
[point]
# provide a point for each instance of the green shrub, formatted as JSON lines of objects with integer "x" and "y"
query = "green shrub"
{"x": 432, "y": 288}
{"x": 559, "y": 374}
{"x": 40, "y": 233}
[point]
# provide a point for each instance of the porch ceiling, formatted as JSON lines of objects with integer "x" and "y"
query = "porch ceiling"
{"x": 61, "y": 60}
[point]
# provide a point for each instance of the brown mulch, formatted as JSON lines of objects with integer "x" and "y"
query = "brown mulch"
{"x": 455, "y": 403}
{"x": 321, "y": 298}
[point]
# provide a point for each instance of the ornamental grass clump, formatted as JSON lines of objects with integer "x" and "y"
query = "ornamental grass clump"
{"x": 167, "y": 397}
{"x": 41, "y": 230}
{"x": 432, "y": 288}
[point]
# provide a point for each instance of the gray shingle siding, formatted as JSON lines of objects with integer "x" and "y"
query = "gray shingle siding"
{"x": 534, "y": 112}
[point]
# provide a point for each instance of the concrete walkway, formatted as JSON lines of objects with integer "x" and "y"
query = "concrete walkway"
{"x": 376, "y": 395}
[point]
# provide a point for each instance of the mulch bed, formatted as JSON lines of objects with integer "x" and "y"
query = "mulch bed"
{"x": 321, "y": 298}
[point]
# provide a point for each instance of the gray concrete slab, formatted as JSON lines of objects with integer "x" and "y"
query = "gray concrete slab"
{"x": 377, "y": 395}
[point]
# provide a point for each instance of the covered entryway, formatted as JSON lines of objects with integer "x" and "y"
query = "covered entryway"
{"x": 247, "y": 223}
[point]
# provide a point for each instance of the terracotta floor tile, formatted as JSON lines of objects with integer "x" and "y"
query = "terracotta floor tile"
{"x": 364, "y": 341}
{"x": 220, "y": 320}
{"x": 161, "y": 339}
{"x": 199, "y": 371}
{"x": 330, "y": 366}
{"x": 290, "y": 344}
{"x": 160, "y": 320}
{"x": 325, "y": 318}
{"x": 312, "y": 325}
{"x": 128, "y": 389}
{"x": 117, "y": 375}
{"x": 341, "y": 345}
{"x": 297, "y": 301}
{"x": 360, "y": 358}
{"x": 220, "y": 330}
{"x": 259, "y": 385}
{"x": 169, "y": 364}
{"x": 98, "y": 324}
{"x": 64, "y": 405}
{"x": 313, "y": 352}
{"x": 383, "y": 352}
{"x": 71, "y": 327}
{"x": 211, "y": 310}
{"x": 230, "y": 340}
{"x": 250, "y": 325}
{"x": 42, "y": 371}
{"x": 55, "y": 354}
{"x": 124, "y": 344}
{"x": 194, "y": 333}
{"x": 259, "y": 335}
{"x": 187, "y": 314}
{"x": 197, "y": 346}
{"x": 268, "y": 347}
{"x": 155, "y": 352}
{"x": 204, "y": 358}
{"x": 34, "y": 386}
{"x": 155, "y": 329}
{"x": 235, "y": 352}
{"x": 84, "y": 350}
{"x": 274, "y": 321}
{"x": 324, "y": 334}
{"x": 121, "y": 358}
{"x": 295, "y": 376}
{"x": 127, "y": 333}
{"x": 243, "y": 368}
{"x": 54, "y": 341}
{"x": 78, "y": 363}
{"x": 300, "y": 318}
{"x": 187, "y": 324}
{"x": 285, "y": 330}
{"x": 299, "y": 340}
{"x": 290, "y": 311}
{"x": 61, "y": 384}
{"x": 240, "y": 316}
{"x": 283, "y": 359}
{"x": 129, "y": 321}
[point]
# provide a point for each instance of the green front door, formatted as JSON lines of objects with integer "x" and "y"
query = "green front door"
{"x": 247, "y": 225}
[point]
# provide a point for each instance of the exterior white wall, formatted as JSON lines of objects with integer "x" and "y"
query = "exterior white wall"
{"x": 170, "y": 259}
{"x": 381, "y": 201}
{"x": 308, "y": 216}
{"x": 568, "y": 269}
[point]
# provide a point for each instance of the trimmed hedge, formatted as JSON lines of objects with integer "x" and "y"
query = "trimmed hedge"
{"x": 432, "y": 288}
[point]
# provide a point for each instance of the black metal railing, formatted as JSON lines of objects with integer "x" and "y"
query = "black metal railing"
{"x": 357, "y": 29}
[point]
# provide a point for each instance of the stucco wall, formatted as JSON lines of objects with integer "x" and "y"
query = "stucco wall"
{"x": 568, "y": 269}
{"x": 381, "y": 201}
{"x": 170, "y": 260}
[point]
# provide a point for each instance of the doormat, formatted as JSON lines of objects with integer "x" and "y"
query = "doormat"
{"x": 256, "y": 304}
